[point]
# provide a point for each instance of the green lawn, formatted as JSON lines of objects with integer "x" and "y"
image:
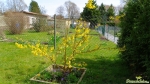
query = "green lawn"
{"x": 17, "y": 66}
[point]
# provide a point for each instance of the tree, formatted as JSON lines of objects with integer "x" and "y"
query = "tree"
{"x": 118, "y": 9}
{"x": 91, "y": 13}
{"x": 40, "y": 24}
{"x": 15, "y": 5}
{"x": 71, "y": 9}
{"x": 102, "y": 9}
{"x": 34, "y": 7}
{"x": 135, "y": 35}
{"x": 122, "y": 2}
{"x": 110, "y": 12}
{"x": 42, "y": 10}
{"x": 60, "y": 12}
{"x": 2, "y": 7}
{"x": 102, "y": 13}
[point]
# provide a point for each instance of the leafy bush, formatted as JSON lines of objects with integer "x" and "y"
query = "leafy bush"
{"x": 37, "y": 26}
{"x": 135, "y": 37}
{"x": 51, "y": 41}
{"x": 41, "y": 25}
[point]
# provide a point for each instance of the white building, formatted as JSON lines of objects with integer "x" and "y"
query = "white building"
{"x": 33, "y": 17}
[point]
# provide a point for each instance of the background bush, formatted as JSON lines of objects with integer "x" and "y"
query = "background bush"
{"x": 41, "y": 25}
{"x": 135, "y": 35}
{"x": 15, "y": 21}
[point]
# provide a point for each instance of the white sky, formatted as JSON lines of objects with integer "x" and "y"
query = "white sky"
{"x": 52, "y": 5}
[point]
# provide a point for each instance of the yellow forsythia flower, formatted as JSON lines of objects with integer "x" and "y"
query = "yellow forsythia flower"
{"x": 69, "y": 64}
{"x": 90, "y": 4}
{"x": 52, "y": 48}
{"x": 20, "y": 45}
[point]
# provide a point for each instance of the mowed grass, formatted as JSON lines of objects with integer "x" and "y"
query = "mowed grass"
{"x": 17, "y": 66}
{"x": 104, "y": 66}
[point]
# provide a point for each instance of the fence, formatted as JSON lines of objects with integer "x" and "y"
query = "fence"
{"x": 110, "y": 32}
{"x": 106, "y": 27}
{"x": 55, "y": 25}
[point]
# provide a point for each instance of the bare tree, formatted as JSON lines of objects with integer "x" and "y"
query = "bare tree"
{"x": 42, "y": 10}
{"x": 60, "y": 10}
{"x": 2, "y": 7}
{"x": 16, "y": 5}
{"x": 72, "y": 9}
{"x": 117, "y": 9}
{"x": 123, "y": 2}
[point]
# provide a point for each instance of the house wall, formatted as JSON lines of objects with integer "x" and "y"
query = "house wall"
{"x": 30, "y": 20}
{"x": 60, "y": 23}
{"x": 50, "y": 22}
{"x": 68, "y": 22}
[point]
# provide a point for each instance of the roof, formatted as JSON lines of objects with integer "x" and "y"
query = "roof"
{"x": 32, "y": 13}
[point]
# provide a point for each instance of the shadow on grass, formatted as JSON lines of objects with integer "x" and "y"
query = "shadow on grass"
{"x": 104, "y": 70}
{"x": 32, "y": 31}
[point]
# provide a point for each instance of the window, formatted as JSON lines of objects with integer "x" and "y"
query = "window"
{"x": 33, "y": 20}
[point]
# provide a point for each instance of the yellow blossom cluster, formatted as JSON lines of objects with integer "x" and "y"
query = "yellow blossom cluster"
{"x": 38, "y": 50}
{"x": 74, "y": 43}
{"x": 111, "y": 18}
{"x": 81, "y": 64}
{"x": 116, "y": 19}
{"x": 69, "y": 64}
{"x": 42, "y": 50}
{"x": 20, "y": 45}
{"x": 90, "y": 4}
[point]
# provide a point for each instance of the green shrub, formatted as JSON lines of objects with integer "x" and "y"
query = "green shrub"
{"x": 135, "y": 35}
{"x": 51, "y": 41}
{"x": 37, "y": 26}
{"x": 41, "y": 25}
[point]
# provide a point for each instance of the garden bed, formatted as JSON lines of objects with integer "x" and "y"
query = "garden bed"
{"x": 55, "y": 74}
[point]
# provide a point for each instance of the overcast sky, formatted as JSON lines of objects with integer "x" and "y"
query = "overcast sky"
{"x": 52, "y": 5}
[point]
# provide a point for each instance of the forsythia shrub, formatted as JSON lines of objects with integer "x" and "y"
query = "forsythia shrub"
{"x": 75, "y": 43}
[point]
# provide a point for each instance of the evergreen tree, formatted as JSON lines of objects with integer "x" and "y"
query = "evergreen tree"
{"x": 34, "y": 7}
{"x": 135, "y": 35}
{"x": 102, "y": 13}
{"x": 110, "y": 12}
{"x": 91, "y": 13}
